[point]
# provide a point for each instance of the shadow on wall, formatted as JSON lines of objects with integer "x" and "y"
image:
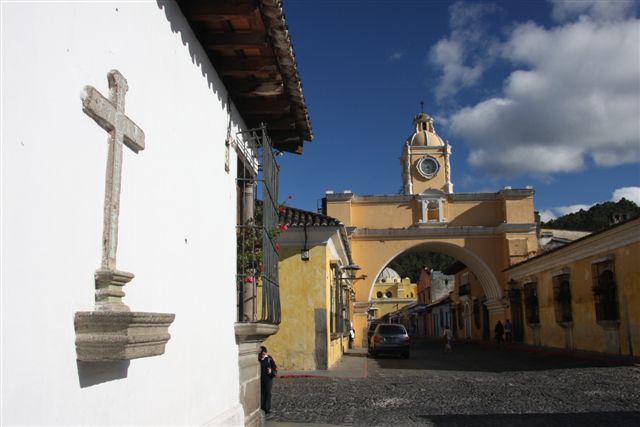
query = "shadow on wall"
{"x": 321, "y": 350}
{"x": 92, "y": 373}
{"x": 199, "y": 57}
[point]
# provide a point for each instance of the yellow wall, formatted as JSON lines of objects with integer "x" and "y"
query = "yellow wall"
{"x": 378, "y": 215}
{"x": 302, "y": 291}
{"x": 487, "y": 213}
{"x": 587, "y": 333}
{"x": 305, "y": 292}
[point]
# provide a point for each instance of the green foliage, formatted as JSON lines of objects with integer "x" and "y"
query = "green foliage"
{"x": 409, "y": 265}
{"x": 597, "y": 218}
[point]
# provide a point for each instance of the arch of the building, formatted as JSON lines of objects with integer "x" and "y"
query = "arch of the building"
{"x": 485, "y": 276}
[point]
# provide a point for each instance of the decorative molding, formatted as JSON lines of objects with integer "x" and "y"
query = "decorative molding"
{"x": 605, "y": 258}
{"x": 589, "y": 246}
{"x": 253, "y": 332}
{"x": 439, "y": 230}
{"x": 496, "y": 306}
{"x": 560, "y": 271}
{"x": 106, "y": 336}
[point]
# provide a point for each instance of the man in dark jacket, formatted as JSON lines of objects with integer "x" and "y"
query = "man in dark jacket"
{"x": 268, "y": 370}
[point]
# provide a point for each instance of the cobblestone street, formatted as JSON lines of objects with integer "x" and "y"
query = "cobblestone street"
{"x": 477, "y": 384}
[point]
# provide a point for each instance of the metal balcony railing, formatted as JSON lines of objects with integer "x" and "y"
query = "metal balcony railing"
{"x": 257, "y": 267}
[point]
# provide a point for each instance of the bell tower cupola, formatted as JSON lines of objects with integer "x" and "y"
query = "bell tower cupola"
{"x": 425, "y": 159}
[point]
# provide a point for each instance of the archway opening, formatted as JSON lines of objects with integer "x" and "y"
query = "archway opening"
{"x": 434, "y": 287}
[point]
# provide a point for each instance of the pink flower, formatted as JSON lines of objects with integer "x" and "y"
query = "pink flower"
{"x": 277, "y": 247}
{"x": 284, "y": 227}
{"x": 249, "y": 279}
{"x": 281, "y": 209}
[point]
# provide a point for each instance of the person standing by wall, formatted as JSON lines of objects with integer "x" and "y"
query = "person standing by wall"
{"x": 499, "y": 332}
{"x": 507, "y": 331}
{"x": 448, "y": 336}
{"x": 268, "y": 371}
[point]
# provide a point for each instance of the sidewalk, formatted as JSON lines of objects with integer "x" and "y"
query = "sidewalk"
{"x": 352, "y": 364}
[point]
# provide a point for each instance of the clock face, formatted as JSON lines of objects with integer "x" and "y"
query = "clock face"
{"x": 428, "y": 166}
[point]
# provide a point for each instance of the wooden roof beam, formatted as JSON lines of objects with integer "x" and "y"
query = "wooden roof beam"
{"x": 234, "y": 40}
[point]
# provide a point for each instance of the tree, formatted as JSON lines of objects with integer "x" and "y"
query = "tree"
{"x": 597, "y": 218}
{"x": 409, "y": 265}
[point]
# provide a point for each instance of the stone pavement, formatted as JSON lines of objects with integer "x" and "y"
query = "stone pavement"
{"x": 478, "y": 384}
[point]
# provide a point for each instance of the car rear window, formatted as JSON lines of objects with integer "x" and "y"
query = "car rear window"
{"x": 392, "y": 329}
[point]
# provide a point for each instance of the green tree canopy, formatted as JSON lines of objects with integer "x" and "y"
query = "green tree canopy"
{"x": 409, "y": 265}
{"x": 597, "y": 218}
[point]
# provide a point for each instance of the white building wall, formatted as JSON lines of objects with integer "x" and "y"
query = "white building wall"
{"x": 177, "y": 216}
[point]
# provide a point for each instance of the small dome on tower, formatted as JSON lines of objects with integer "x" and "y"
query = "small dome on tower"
{"x": 388, "y": 275}
{"x": 425, "y": 134}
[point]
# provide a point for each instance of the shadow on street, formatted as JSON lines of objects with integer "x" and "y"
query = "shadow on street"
{"x": 489, "y": 357}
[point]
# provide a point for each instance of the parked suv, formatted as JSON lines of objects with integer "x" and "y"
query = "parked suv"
{"x": 390, "y": 338}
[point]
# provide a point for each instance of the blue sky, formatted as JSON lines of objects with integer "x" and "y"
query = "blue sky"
{"x": 534, "y": 93}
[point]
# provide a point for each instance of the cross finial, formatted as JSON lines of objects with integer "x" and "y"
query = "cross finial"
{"x": 422, "y": 106}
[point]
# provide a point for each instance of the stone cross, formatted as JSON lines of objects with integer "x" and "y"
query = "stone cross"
{"x": 109, "y": 114}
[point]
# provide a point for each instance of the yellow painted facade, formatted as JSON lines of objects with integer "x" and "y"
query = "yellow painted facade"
{"x": 391, "y": 295}
{"x": 309, "y": 337}
{"x": 488, "y": 232}
{"x": 467, "y": 298}
{"x": 618, "y": 247}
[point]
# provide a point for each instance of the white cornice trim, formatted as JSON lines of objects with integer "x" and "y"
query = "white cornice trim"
{"x": 439, "y": 230}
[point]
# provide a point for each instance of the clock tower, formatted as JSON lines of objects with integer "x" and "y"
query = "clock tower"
{"x": 425, "y": 159}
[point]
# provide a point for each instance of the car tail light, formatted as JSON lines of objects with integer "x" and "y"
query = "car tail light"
{"x": 407, "y": 340}
{"x": 376, "y": 338}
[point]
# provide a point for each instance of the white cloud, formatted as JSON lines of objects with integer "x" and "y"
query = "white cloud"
{"x": 463, "y": 56}
{"x": 575, "y": 93}
{"x": 630, "y": 193}
{"x": 599, "y": 9}
{"x": 553, "y": 213}
{"x": 395, "y": 56}
{"x": 547, "y": 215}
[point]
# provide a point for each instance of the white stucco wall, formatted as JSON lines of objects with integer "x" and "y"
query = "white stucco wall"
{"x": 177, "y": 215}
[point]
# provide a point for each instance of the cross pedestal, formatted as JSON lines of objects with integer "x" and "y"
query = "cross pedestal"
{"x": 112, "y": 332}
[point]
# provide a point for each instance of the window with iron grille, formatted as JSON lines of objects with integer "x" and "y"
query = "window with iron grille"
{"x": 257, "y": 262}
{"x": 605, "y": 292}
{"x": 562, "y": 298}
{"x": 465, "y": 285}
{"x": 532, "y": 308}
{"x": 476, "y": 313}
{"x": 339, "y": 316}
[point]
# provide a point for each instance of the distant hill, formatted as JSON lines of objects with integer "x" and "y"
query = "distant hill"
{"x": 597, "y": 218}
{"x": 410, "y": 265}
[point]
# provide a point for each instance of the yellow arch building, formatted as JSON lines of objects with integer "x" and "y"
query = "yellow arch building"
{"x": 488, "y": 232}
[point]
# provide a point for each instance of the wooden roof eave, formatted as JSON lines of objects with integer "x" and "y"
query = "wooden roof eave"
{"x": 248, "y": 43}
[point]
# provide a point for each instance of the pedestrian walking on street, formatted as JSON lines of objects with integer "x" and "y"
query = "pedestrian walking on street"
{"x": 268, "y": 371}
{"x": 352, "y": 335}
{"x": 507, "y": 331}
{"x": 499, "y": 331}
{"x": 448, "y": 336}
